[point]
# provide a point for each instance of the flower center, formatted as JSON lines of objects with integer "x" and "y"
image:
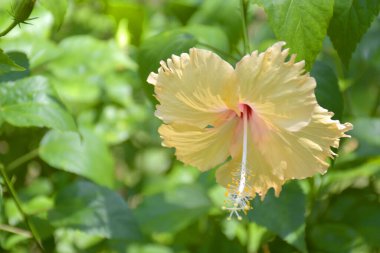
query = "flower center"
{"x": 238, "y": 193}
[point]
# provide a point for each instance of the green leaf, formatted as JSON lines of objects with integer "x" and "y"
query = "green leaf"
{"x": 7, "y": 64}
{"x": 94, "y": 210}
{"x": 20, "y": 59}
{"x": 32, "y": 102}
{"x": 58, "y": 9}
{"x": 172, "y": 210}
{"x": 158, "y": 48}
{"x": 327, "y": 91}
{"x": 284, "y": 216}
{"x": 84, "y": 154}
{"x": 331, "y": 238}
{"x": 82, "y": 72}
{"x": 301, "y": 23}
{"x": 350, "y": 21}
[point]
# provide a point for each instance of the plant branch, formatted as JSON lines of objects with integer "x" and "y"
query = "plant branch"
{"x": 244, "y": 10}
{"x": 19, "y": 207}
{"x": 22, "y": 159}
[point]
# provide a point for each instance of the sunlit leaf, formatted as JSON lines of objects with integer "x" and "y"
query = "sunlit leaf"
{"x": 95, "y": 210}
{"x": 84, "y": 67}
{"x": 284, "y": 216}
{"x": 32, "y": 102}
{"x": 302, "y": 24}
{"x": 350, "y": 21}
{"x": 84, "y": 154}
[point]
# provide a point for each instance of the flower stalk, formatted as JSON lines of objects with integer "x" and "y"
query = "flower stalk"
{"x": 21, "y": 11}
{"x": 244, "y": 11}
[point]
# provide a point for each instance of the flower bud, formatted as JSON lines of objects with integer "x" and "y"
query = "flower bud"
{"x": 22, "y": 9}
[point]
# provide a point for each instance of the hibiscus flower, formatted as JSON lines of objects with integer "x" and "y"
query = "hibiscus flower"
{"x": 259, "y": 122}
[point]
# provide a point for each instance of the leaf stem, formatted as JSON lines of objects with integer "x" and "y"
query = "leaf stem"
{"x": 216, "y": 50}
{"x": 15, "y": 230}
{"x": 19, "y": 207}
{"x": 22, "y": 159}
{"x": 8, "y": 29}
{"x": 244, "y": 10}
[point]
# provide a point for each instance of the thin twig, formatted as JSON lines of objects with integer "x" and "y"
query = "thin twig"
{"x": 19, "y": 207}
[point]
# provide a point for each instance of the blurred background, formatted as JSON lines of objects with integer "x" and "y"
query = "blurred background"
{"x": 79, "y": 138}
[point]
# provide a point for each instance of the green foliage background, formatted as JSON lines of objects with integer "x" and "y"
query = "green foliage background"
{"x": 79, "y": 141}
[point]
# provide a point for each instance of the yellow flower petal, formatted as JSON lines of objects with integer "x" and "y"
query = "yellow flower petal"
{"x": 277, "y": 88}
{"x": 194, "y": 89}
{"x": 200, "y": 147}
{"x": 276, "y": 155}
{"x": 303, "y": 153}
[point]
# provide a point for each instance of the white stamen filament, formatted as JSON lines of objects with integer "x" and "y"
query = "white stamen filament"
{"x": 238, "y": 194}
{"x": 243, "y": 170}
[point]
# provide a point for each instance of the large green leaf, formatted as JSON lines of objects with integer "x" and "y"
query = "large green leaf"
{"x": 84, "y": 154}
{"x": 327, "y": 91}
{"x": 172, "y": 210}
{"x": 284, "y": 216}
{"x": 350, "y": 21}
{"x": 161, "y": 47}
{"x": 32, "y": 102}
{"x": 301, "y": 23}
{"x": 7, "y": 64}
{"x": 95, "y": 210}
